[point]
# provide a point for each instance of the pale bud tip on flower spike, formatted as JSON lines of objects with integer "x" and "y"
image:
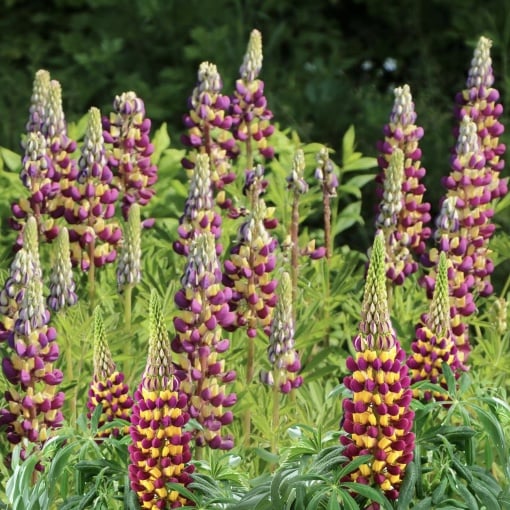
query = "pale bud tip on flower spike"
{"x": 252, "y": 63}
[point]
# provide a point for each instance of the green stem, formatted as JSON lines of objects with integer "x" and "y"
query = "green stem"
{"x": 70, "y": 378}
{"x": 128, "y": 291}
{"x": 294, "y": 248}
{"x": 276, "y": 415}
{"x": 92, "y": 275}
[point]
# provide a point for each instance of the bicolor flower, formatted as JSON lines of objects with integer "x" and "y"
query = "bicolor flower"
{"x": 89, "y": 202}
{"x": 208, "y": 123}
{"x": 248, "y": 272}
{"x": 199, "y": 213}
{"x": 411, "y": 230}
{"x": 160, "y": 451}
{"x": 434, "y": 344}
{"x": 33, "y": 402}
{"x": 399, "y": 259}
{"x": 377, "y": 415}
{"x": 282, "y": 354}
{"x": 107, "y": 388}
{"x": 251, "y": 119}
{"x": 203, "y": 313}
{"x": 62, "y": 285}
{"x": 480, "y": 102}
{"x": 129, "y": 270}
{"x": 127, "y": 129}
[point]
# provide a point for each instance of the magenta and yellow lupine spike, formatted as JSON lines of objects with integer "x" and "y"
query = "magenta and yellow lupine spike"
{"x": 127, "y": 129}
{"x": 282, "y": 354}
{"x": 203, "y": 313}
{"x": 89, "y": 202}
{"x": 377, "y": 416}
{"x": 467, "y": 245}
{"x": 33, "y": 403}
{"x": 480, "y": 102}
{"x": 434, "y": 343}
{"x": 160, "y": 451}
{"x": 399, "y": 259}
{"x": 107, "y": 387}
{"x": 251, "y": 119}
{"x": 199, "y": 213}
{"x": 248, "y": 272}
{"x": 411, "y": 230}
{"x": 208, "y": 123}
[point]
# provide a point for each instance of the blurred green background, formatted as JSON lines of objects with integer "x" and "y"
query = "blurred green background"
{"x": 327, "y": 64}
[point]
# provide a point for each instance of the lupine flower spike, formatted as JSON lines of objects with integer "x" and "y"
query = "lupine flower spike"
{"x": 203, "y": 313}
{"x": 480, "y": 101}
{"x": 107, "y": 388}
{"x": 411, "y": 229}
{"x": 282, "y": 354}
{"x": 377, "y": 415}
{"x": 199, "y": 214}
{"x": 250, "y": 116}
{"x": 33, "y": 404}
{"x": 160, "y": 451}
{"x": 208, "y": 124}
{"x": 328, "y": 180}
{"x": 400, "y": 262}
{"x": 434, "y": 343}
{"x": 127, "y": 129}
{"x": 62, "y": 286}
{"x": 38, "y": 101}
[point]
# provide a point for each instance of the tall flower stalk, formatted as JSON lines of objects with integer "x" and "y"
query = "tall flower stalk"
{"x": 160, "y": 451}
{"x": 33, "y": 403}
{"x": 377, "y": 416}
{"x": 203, "y": 313}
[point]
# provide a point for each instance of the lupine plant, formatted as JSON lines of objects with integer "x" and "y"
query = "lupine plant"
{"x": 360, "y": 401}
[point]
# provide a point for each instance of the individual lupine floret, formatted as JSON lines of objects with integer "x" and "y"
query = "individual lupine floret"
{"x": 434, "y": 343}
{"x": 128, "y": 130}
{"x": 107, "y": 387}
{"x": 403, "y": 133}
{"x": 400, "y": 263}
{"x": 199, "y": 214}
{"x": 248, "y": 272}
{"x": 203, "y": 313}
{"x": 33, "y": 404}
{"x": 282, "y": 354}
{"x": 251, "y": 119}
{"x": 377, "y": 416}
{"x": 160, "y": 451}
{"x": 62, "y": 285}
{"x": 208, "y": 124}
{"x": 129, "y": 272}
{"x": 480, "y": 101}
{"x": 90, "y": 202}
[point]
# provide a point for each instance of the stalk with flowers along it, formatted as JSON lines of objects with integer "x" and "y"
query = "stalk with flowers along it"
{"x": 30, "y": 350}
{"x": 377, "y": 416}
{"x": 160, "y": 449}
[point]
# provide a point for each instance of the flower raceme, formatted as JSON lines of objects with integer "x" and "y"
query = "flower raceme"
{"x": 107, "y": 388}
{"x": 160, "y": 451}
{"x": 377, "y": 415}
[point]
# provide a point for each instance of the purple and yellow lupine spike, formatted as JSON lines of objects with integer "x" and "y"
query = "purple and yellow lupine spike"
{"x": 377, "y": 415}
{"x": 127, "y": 129}
{"x": 33, "y": 403}
{"x": 89, "y": 202}
{"x": 208, "y": 123}
{"x": 400, "y": 263}
{"x": 160, "y": 451}
{"x": 199, "y": 214}
{"x": 62, "y": 285}
{"x": 203, "y": 313}
{"x": 434, "y": 343}
{"x": 251, "y": 119}
{"x": 38, "y": 101}
{"x": 282, "y": 354}
{"x": 248, "y": 273}
{"x": 107, "y": 387}
{"x": 129, "y": 272}
{"x": 480, "y": 101}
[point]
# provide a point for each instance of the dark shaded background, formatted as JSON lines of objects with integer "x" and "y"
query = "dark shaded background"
{"x": 325, "y": 62}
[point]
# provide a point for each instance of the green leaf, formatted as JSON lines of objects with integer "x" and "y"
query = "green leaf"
{"x": 364, "y": 163}
{"x": 11, "y": 159}
{"x": 269, "y": 457}
{"x": 348, "y": 144}
{"x": 161, "y": 142}
{"x": 333, "y": 502}
{"x": 407, "y": 489}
